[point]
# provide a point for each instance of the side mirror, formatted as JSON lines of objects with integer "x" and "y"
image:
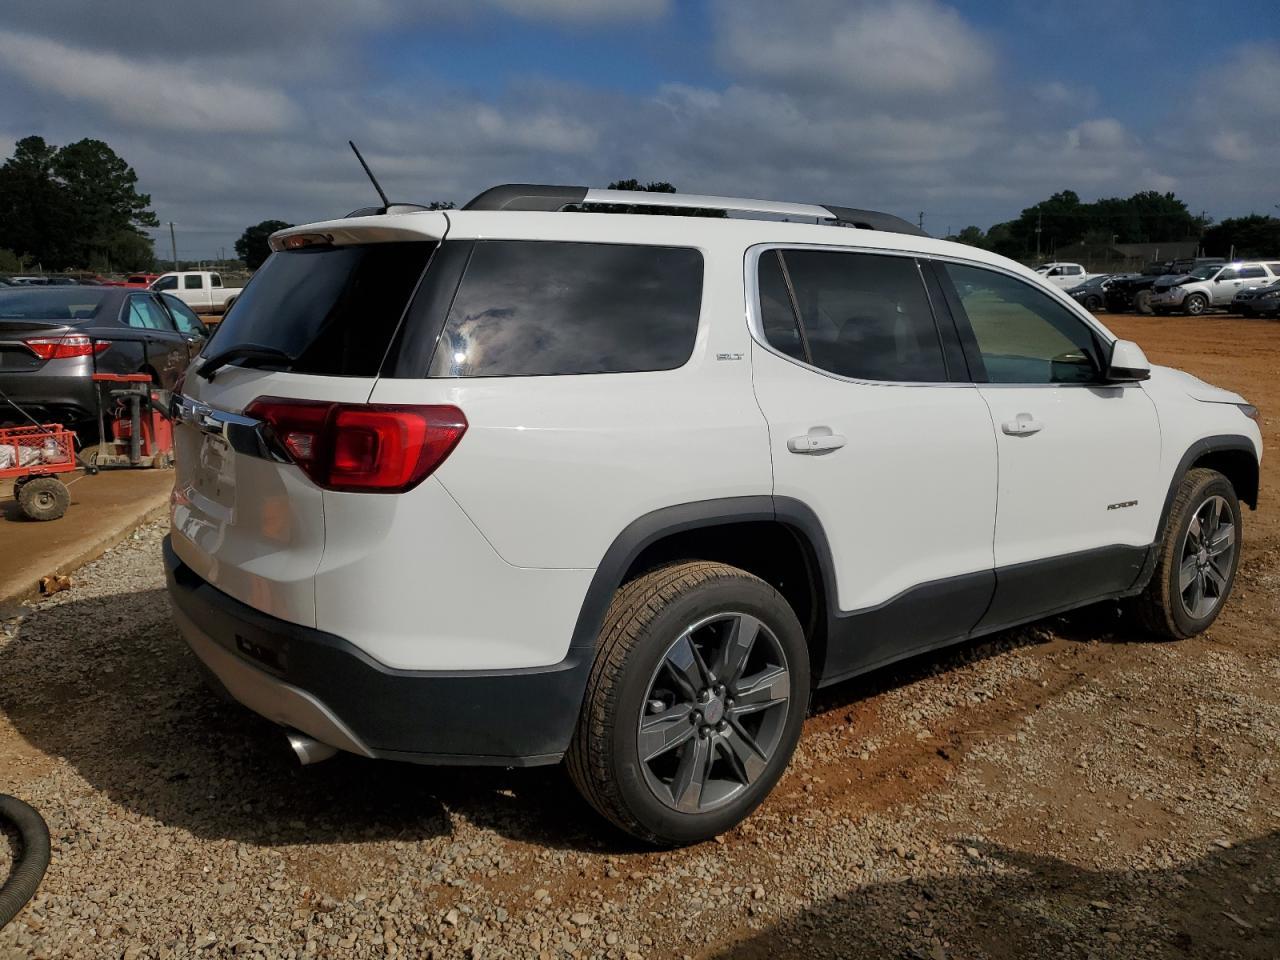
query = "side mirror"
{"x": 1128, "y": 363}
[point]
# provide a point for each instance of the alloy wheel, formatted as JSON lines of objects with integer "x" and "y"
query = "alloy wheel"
{"x": 714, "y": 713}
{"x": 1208, "y": 551}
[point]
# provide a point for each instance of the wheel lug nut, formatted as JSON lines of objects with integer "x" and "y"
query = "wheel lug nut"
{"x": 722, "y": 726}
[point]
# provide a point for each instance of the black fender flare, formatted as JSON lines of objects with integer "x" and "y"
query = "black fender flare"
{"x": 1219, "y": 443}
{"x": 680, "y": 518}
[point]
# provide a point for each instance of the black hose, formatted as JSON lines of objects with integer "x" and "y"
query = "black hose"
{"x": 31, "y": 861}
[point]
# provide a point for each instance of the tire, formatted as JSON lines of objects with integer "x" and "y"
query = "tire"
{"x": 1142, "y": 302}
{"x": 1195, "y": 305}
{"x": 44, "y": 498}
{"x": 1093, "y": 304}
{"x": 1164, "y": 606}
{"x": 640, "y": 684}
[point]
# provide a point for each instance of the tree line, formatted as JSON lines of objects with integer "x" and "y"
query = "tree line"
{"x": 1145, "y": 217}
{"x": 73, "y": 206}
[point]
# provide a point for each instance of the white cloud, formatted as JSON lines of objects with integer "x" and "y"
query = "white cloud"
{"x": 874, "y": 47}
{"x": 573, "y": 11}
{"x": 164, "y": 95}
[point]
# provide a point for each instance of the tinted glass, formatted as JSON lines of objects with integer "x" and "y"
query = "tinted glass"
{"x": 165, "y": 283}
{"x": 778, "y": 318}
{"x": 193, "y": 281}
{"x": 145, "y": 313}
{"x": 1227, "y": 274}
{"x": 1023, "y": 334}
{"x": 1251, "y": 273}
{"x": 535, "y": 308}
{"x": 42, "y": 303}
{"x": 334, "y": 309}
{"x": 183, "y": 315}
{"x": 215, "y": 280}
{"x": 1274, "y": 268}
{"x": 866, "y": 316}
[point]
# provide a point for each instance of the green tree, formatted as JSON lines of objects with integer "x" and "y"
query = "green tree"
{"x": 1252, "y": 236}
{"x": 973, "y": 236}
{"x": 72, "y": 206}
{"x": 252, "y": 247}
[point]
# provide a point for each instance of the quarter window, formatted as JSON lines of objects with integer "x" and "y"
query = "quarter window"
{"x": 146, "y": 314}
{"x": 538, "y": 308}
{"x": 861, "y": 315}
{"x": 1024, "y": 335}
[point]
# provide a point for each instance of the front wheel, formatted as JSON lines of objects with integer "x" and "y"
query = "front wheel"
{"x": 695, "y": 702}
{"x": 1142, "y": 302}
{"x": 1195, "y": 305}
{"x": 1196, "y": 566}
{"x": 1093, "y": 303}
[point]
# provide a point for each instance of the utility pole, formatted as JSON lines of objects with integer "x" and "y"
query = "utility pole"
{"x": 920, "y": 220}
{"x": 173, "y": 245}
{"x": 1039, "y": 218}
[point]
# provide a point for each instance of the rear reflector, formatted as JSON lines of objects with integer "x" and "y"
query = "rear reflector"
{"x": 62, "y": 348}
{"x": 362, "y": 448}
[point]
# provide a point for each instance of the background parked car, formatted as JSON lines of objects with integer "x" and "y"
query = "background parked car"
{"x": 1134, "y": 292}
{"x": 53, "y": 339}
{"x": 1258, "y": 301}
{"x": 201, "y": 290}
{"x": 1209, "y": 286}
{"x": 140, "y": 280}
{"x": 1065, "y": 275}
{"x": 1092, "y": 293}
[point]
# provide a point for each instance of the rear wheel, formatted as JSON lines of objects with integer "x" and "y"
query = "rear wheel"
{"x": 1195, "y": 304}
{"x": 43, "y": 498}
{"x": 695, "y": 702}
{"x": 1198, "y": 557}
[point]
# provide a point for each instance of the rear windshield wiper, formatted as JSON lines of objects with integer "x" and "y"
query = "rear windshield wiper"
{"x": 248, "y": 355}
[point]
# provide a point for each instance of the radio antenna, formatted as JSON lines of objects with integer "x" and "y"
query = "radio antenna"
{"x": 372, "y": 179}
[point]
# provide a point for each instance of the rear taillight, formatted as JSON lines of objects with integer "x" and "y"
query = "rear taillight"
{"x": 62, "y": 348}
{"x": 370, "y": 448}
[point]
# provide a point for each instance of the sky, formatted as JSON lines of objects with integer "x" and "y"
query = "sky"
{"x": 968, "y": 111}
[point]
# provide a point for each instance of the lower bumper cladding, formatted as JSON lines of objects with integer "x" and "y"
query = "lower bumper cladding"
{"x": 330, "y": 690}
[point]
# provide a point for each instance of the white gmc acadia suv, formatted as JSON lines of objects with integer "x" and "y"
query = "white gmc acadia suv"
{"x": 524, "y": 482}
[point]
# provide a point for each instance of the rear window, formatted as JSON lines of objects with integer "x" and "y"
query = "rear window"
{"x": 536, "y": 308}
{"x": 71, "y": 304}
{"x": 333, "y": 309}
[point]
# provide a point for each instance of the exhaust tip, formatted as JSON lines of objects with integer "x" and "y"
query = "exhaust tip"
{"x": 308, "y": 749}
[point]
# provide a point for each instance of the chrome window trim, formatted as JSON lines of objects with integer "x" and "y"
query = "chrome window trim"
{"x": 755, "y": 322}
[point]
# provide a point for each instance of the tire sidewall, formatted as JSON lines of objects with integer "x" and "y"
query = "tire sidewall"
{"x": 1187, "y": 625}
{"x": 722, "y": 596}
{"x": 1195, "y": 305}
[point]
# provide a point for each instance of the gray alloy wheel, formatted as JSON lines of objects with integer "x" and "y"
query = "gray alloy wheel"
{"x": 1195, "y": 305}
{"x": 1208, "y": 550}
{"x": 714, "y": 712}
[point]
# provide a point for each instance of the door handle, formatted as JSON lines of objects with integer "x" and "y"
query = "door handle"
{"x": 815, "y": 442}
{"x": 1022, "y": 425}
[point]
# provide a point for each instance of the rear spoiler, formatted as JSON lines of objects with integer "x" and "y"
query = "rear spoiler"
{"x": 404, "y": 222}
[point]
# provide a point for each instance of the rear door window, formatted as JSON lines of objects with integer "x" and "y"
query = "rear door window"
{"x": 145, "y": 314}
{"x": 863, "y": 316}
{"x": 539, "y": 308}
{"x": 333, "y": 309}
{"x": 193, "y": 281}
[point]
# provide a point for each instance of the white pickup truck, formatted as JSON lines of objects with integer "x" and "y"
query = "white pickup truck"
{"x": 201, "y": 290}
{"x": 1064, "y": 275}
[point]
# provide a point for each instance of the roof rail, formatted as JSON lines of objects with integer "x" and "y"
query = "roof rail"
{"x": 544, "y": 197}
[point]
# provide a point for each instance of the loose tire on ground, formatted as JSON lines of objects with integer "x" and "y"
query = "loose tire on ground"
{"x": 1163, "y": 606}
{"x": 43, "y": 498}
{"x": 1142, "y": 302}
{"x": 646, "y": 626}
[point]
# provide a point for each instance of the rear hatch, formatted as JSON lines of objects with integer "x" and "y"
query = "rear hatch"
{"x": 311, "y": 329}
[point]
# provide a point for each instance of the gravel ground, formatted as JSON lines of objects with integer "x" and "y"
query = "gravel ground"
{"x": 1066, "y": 790}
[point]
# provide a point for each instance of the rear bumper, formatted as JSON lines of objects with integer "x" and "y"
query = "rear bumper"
{"x": 1256, "y": 306}
{"x": 65, "y": 398}
{"x": 324, "y": 686}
